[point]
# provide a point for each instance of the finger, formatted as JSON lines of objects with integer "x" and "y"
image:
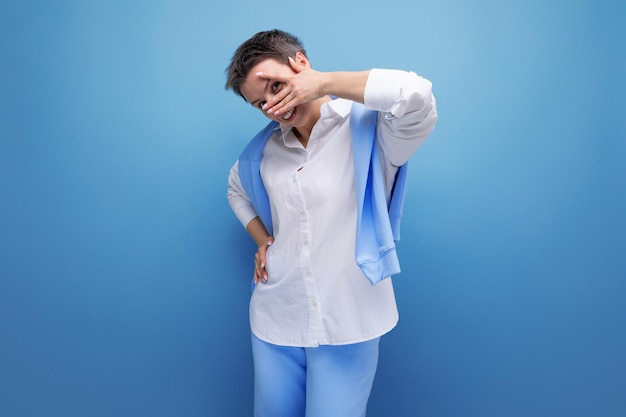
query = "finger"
{"x": 271, "y": 75}
{"x": 260, "y": 275}
{"x": 288, "y": 103}
{"x": 274, "y": 103}
{"x": 263, "y": 271}
{"x": 278, "y": 107}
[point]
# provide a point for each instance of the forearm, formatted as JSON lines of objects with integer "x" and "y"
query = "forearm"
{"x": 345, "y": 84}
{"x": 257, "y": 231}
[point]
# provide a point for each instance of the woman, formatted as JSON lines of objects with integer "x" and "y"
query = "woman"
{"x": 309, "y": 189}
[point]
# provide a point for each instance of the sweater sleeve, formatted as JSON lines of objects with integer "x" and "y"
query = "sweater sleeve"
{"x": 238, "y": 199}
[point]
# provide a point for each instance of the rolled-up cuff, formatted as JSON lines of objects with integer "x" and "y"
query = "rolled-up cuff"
{"x": 379, "y": 85}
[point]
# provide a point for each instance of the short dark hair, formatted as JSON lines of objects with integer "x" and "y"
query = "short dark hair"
{"x": 274, "y": 43}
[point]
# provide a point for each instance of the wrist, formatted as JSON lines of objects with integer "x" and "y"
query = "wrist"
{"x": 345, "y": 84}
{"x": 266, "y": 242}
{"x": 325, "y": 88}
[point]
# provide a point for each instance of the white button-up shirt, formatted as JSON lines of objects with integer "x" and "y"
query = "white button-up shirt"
{"x": 316, "y": 294}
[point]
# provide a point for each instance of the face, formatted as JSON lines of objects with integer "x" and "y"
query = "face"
{"x": 257, "y": 91}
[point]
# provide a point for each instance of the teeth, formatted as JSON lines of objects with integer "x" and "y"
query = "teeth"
{"x": 288, "y": 114}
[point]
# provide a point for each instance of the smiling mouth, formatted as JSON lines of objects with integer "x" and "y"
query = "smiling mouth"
{"x": 289, "y": 115}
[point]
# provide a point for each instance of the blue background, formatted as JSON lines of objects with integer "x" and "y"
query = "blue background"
{"x": 124, "y": 277}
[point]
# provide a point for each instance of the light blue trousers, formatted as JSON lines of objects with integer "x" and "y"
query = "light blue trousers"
{"x": 325, "y": 381}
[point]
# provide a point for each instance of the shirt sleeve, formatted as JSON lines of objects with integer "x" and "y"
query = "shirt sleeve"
{"x": 408, "y": 112}
{"x": 238, "y": 199}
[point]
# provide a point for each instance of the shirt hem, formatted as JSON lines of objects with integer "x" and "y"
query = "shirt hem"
{"x": 352, "y": 341}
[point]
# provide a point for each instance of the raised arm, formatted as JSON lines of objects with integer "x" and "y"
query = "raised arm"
{"x": 307, "y": 84}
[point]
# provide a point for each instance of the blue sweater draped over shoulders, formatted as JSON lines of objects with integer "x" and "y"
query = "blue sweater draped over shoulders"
{"x": 378, "y": 224}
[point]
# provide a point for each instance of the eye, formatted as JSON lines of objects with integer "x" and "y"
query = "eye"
{"x": 275, "y": 86}
{"x": 261, "y": 104}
